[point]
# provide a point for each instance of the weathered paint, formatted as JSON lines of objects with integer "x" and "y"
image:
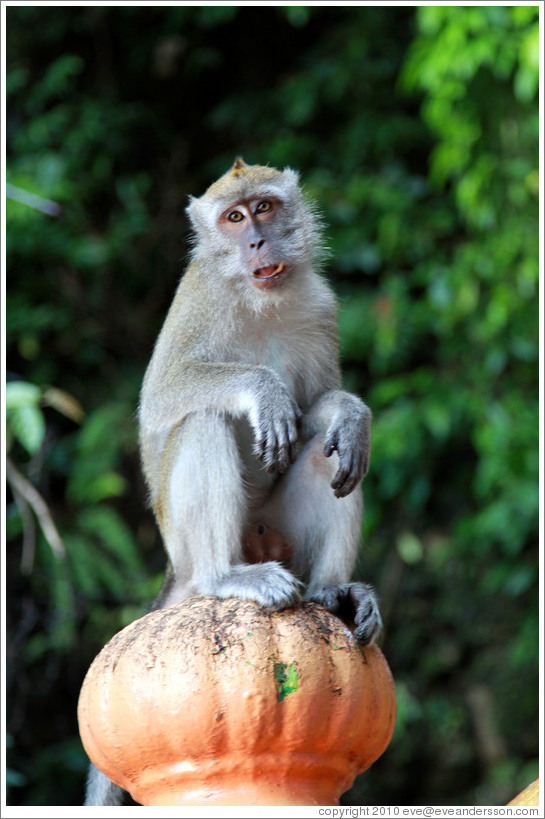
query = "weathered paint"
{"x": 286, "y": 679}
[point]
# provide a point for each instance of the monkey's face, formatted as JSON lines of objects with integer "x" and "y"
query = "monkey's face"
{"x": 252, "y": 226}
{"x": 255, "y": 227}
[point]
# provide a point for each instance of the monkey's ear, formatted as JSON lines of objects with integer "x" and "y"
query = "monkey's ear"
{"x": 193, "y": 212}
{"x": 239, "y": 164}
{"x": 291, "y": 178}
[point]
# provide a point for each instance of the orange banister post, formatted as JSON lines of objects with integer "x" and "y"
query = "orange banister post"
{"x": 218, "y": 702}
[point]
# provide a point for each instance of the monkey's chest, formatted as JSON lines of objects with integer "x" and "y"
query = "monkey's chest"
{"x": 292, "y": 361}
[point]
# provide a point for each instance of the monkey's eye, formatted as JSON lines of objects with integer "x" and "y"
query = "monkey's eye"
{"x": 235, "y": 216}
{"x": 264, "y": 207}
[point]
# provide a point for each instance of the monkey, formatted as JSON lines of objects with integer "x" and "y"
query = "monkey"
{"x": 252, "y": 452}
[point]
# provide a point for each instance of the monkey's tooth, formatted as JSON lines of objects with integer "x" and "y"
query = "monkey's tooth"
{"x": 280, "y": 268}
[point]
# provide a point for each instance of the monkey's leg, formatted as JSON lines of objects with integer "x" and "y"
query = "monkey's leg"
{"x": 324, "y": 532}
{"x": 205, "y": 515}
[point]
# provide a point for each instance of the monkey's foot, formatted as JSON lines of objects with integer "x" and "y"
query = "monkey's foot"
{"x": 269, "y": 584}
{"x": 356, "y": 605}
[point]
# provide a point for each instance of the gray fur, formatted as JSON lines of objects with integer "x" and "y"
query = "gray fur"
{"x": 100, "y": 791}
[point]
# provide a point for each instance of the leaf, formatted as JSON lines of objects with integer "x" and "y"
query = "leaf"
{"x": 61, "y": 621}
{"x": 105, "y": 524}
{"x": 64, "y": 403}
{"x": 103, "y": 436}
{"x": 99, "y": 488}
{"x": 410, "y": 548}
{"x": 84, "y": 559}
{"x": 114, "y": 577}
{"x": 28, "y": 426}
{"x": 22, "y": 394}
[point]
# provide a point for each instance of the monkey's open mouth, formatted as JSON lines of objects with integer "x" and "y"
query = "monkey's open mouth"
{"x": 269, "y": 272}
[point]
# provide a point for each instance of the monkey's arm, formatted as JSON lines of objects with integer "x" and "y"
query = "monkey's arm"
{"x": 188, "y": 386}
{"x": 347, "y": 424}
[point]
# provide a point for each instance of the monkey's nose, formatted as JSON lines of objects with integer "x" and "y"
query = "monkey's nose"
{"x": 257, "y": 244}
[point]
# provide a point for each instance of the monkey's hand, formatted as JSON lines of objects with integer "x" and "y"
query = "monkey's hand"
{"x": 275, "y": 419}
{"x": 356, "y": 605}
{"x": 350, "y": 435}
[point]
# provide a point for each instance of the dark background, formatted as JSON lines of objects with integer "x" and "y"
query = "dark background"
{"x": 416, "y": 129}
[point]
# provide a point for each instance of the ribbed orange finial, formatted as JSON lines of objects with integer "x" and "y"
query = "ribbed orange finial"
{"x": 215, "y": 702}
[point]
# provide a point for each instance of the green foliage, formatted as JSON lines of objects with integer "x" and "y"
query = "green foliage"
{"x": 416, "y": 129}
{"x": 96, "y": 551}
{"x": 25, "y": 422}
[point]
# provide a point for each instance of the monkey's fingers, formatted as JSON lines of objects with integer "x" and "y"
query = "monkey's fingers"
{"x": 363, "y": 600}
{"x": 293, "y": 435}
{"x": 266, "y": 449}
{"x": 358, "y": 471}
{"x": 367, "y": 617}
{"x": 278, "y": 449}
{"x": 286, "y": 449}
{"x": 331, "y": 443}
{"x": 260, "y": 446}
{"x": 346, "y": 477}
{"x": 329, "y": 596}
{"x": 272, "y": 455}
{"x": 293, "y": 452}
{"x": 282, "y": 458}
{"x": 341, "y": 484}
{"x": 284, "y": 455}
